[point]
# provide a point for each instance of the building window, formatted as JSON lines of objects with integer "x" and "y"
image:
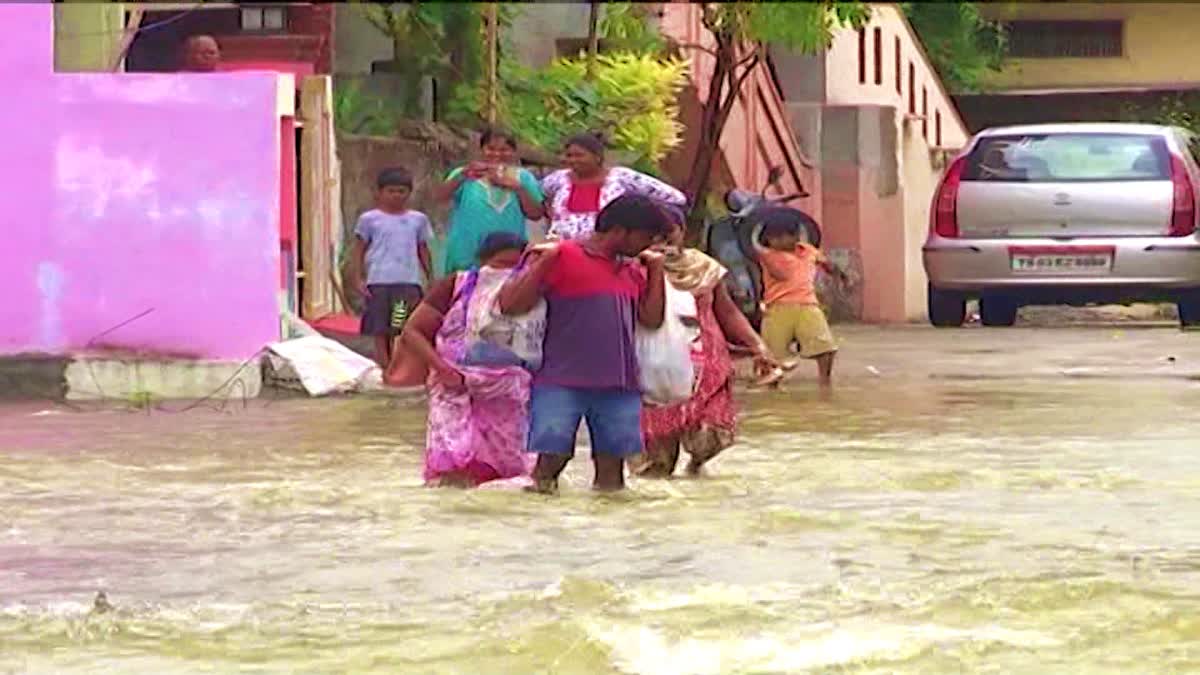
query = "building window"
{"x": 937, "y": 128}
{"x": 899, "y": 74}
{"x": 263, "y": 19}
{"x": 925, "y": 112}
{"x": 862, "y": 55}
{"x": 878, "y": 56}
{"x": 1066, "y": 39}
{"x": 912, "y": 89}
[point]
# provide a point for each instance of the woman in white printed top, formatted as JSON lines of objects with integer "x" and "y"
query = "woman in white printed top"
{"x": 575, "y": 195}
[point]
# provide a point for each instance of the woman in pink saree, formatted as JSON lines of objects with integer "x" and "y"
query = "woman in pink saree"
{"x": 478, "y": 393}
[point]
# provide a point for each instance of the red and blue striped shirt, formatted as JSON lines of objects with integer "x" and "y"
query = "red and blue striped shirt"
{"x": 591, "y": 310}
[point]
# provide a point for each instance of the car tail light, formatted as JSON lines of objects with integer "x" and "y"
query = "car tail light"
{"x": 945, "y": 202}
{"x": 1183, "y": 213}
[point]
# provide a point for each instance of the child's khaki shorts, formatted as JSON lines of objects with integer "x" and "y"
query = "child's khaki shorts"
{"x": 805, "y": 324}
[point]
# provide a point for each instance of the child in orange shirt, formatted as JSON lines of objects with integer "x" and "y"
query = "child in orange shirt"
{"x": 790, "y": 295}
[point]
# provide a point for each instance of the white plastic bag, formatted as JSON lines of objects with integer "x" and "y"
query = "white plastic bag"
{"x": 665, "y": 355}
{"x": 495, "y": 339}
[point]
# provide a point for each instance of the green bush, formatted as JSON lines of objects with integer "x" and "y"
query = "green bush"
{"x": 356, "y": 111}
{"x": 632, "y": 98}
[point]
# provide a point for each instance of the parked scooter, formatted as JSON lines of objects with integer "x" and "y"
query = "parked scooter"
{"x": 730, "y": 240}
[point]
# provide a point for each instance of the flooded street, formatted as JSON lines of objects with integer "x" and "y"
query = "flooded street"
{"x": 965, "y": 503}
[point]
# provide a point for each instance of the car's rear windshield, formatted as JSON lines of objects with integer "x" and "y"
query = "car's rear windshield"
{"x": 1066, "y": 158}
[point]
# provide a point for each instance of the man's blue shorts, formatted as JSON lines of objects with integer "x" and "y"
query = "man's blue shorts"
{"x": 614, "y": 420}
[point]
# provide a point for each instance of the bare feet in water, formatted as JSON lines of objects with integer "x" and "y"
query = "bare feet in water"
{"x": 771, "y": 378}
{"x": 543, "y": 486}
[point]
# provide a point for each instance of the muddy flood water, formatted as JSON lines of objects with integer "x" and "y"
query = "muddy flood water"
{"x": 939, "y": 527}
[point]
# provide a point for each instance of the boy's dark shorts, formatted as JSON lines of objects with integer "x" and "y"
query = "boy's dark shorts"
{"x": 382, "y": 315}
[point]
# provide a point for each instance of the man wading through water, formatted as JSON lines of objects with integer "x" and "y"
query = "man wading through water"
{"x": 594, "y": 293}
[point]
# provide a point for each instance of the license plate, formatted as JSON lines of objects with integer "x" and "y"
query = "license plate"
{"x": 1065, "y": 261}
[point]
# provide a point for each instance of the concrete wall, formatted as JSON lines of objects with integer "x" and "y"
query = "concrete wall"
{"x": 876, "y": 158}
{"x": 127, "y": 194}
{"x": 802, "y": 76}
{"x": 1159, "y": 45}
{"x": 920, "y": 172}
{"x": 863, "y": 207}
{"x": 357, "y": 43}
{"x": 844, "y": 88}
{"x": 539, "y": 25}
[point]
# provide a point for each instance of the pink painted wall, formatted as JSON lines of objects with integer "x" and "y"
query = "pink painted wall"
{"x": 297, "y": 68}
{"x": 890, "y": 230}
{"x": 931, "y": 98}
{"x": 125, "y": 193}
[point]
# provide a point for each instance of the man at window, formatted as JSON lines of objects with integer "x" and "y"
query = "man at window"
{"x": 201, "y": 54}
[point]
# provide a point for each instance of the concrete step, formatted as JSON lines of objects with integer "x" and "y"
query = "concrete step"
{"x": 128, "y": 378}
{"x": 136, "y": 379}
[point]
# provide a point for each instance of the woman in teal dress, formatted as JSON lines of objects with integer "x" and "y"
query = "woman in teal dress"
{"x": 486, "y": 196}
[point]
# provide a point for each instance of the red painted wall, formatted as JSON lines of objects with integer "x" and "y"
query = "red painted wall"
{"x": 315, "y": 19}
{"x": 288, "y": 228}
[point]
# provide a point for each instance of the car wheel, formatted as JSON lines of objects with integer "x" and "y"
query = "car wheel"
{"x": 1189, "y": 311}
{"x": 946, "y": 309}
{"x": 997, "y": 311}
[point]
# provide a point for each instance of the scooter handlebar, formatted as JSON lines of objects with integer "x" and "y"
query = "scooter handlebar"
{"x": 742, "y": 203}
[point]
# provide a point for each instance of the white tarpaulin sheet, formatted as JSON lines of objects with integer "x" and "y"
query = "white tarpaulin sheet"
{"x": 323, "y": 366}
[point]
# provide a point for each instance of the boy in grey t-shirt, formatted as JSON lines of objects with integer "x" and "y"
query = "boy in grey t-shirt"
{"x": 392, "y": 252}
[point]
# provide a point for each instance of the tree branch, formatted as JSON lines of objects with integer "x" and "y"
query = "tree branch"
{"x": 739, "y": 80}
{"x": 754, "y": 55}
{"x": 697, "y": 46}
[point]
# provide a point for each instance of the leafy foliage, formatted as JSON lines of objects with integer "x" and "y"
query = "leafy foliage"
{"x": 805, "y": 27}
{"x": 625, "y": 26}
{"x": 443, "y": 40}
{"x": 356, "y": 111}
{"x": 1175, "y": 110}
{"x": 631, "y": 98}
{"x": 964, "y": 46}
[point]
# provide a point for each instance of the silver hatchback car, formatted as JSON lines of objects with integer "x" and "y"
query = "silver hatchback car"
{"x": 1065, "y": 214}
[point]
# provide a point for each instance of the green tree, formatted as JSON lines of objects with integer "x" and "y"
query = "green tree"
{"x": 742, "y": 33}
{"x": 965, "y": 47}
{"x": 626, "y": 26}
{"x": 632, "y": 98}
{"x": 1181, "y": 109}
{"x": 630, "y": 92}
{"x": 442, "y": 40}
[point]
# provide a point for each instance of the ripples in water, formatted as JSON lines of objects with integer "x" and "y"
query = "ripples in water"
{"x": 941, "y": 527}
